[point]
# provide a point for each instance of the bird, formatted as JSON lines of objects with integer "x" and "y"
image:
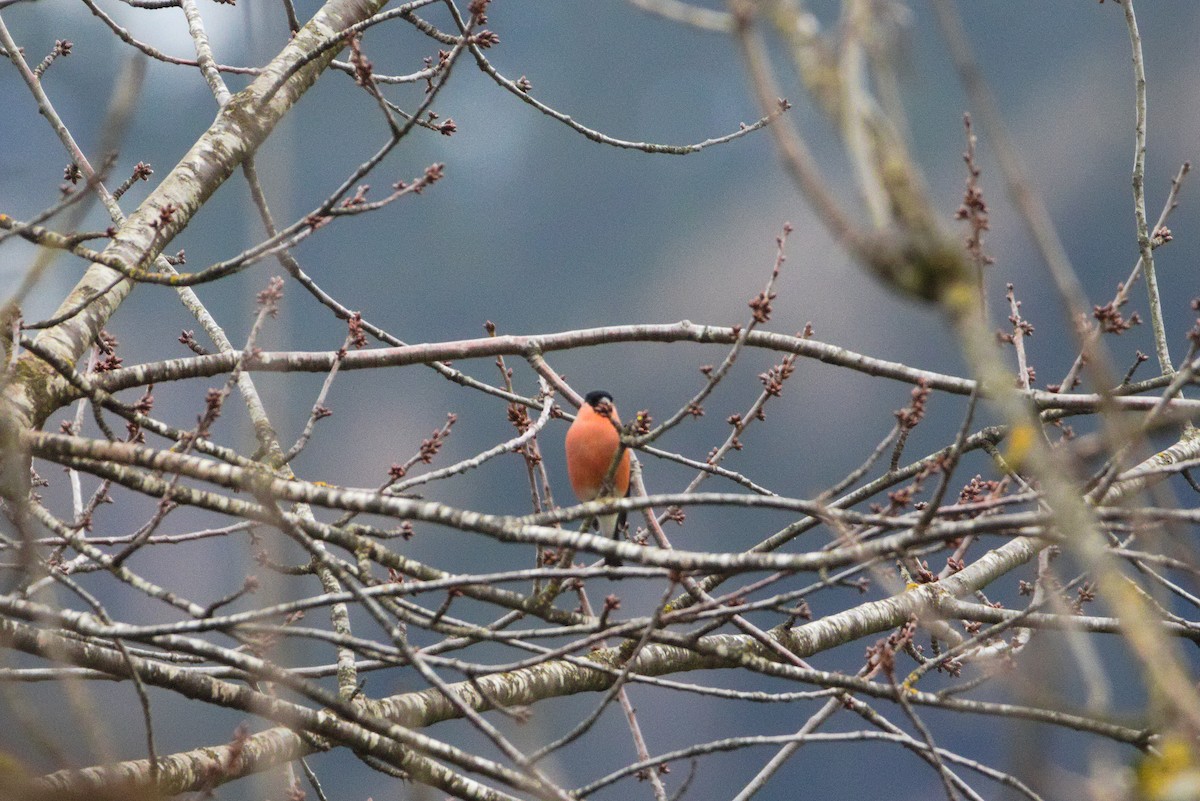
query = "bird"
{"x": 592, "y": 444}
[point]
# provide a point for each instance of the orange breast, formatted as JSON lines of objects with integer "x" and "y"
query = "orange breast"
{"x": 591, "y": 444}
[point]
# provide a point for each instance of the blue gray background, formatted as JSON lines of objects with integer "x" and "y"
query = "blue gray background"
{"x": 540, "y": 230}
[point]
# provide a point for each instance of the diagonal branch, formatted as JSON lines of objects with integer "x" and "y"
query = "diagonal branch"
{"x": 240, "y": 127}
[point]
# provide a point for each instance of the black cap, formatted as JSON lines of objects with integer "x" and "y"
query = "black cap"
{"x": 596, "y": 397}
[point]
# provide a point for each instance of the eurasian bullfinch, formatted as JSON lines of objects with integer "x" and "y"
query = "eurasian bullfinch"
{"x": 592, "y": 444}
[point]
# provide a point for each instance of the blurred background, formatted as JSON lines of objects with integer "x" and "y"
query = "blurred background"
{"x": 540, "y": 230}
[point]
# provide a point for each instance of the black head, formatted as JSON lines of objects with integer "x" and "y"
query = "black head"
{"x": 596, "y": 397}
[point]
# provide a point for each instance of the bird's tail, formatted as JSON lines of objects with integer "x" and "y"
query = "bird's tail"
{"x": 610, "y": 526}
